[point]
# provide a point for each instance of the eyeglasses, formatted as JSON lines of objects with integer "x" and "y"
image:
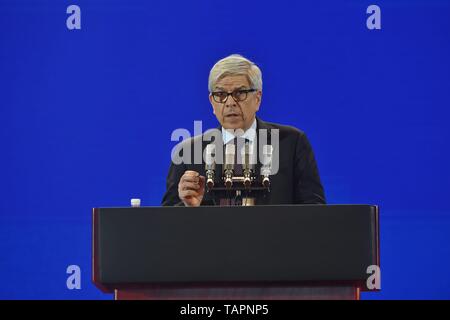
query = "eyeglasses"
{"x": 238, "y": 95}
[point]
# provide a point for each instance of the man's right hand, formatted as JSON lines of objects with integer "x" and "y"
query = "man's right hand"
{"x": 191, "y": 188}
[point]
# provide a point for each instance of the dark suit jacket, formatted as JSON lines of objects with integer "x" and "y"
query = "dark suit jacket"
{"x": 297, "y": 180}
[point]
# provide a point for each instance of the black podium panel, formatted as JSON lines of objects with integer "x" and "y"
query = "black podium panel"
{"x": 269, "y": 244}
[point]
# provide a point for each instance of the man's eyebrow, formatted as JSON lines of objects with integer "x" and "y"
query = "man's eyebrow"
{"x": 238, "y": 88}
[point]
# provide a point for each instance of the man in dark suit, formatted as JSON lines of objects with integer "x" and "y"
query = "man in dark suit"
{"x": 235, "y": 86}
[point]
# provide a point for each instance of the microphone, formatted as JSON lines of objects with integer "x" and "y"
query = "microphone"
{"x": 247, "y": 166}
{"x": 230, "y": 151}
{"x": 266, "y": 167}
{"x": 210, "y": 165}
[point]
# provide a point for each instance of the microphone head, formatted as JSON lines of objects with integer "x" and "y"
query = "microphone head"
{"x": 266, "y": 182}
{"x": 210, "y": 154}
{"x": 228, "y": 183}
{"x": 230, "y": 151}
{"x": 247, "y": 182}
{"x": 266, "y": 160}
{"x": 267, "y": 149}
{"x": 247, "y": 157}
{"x": 210, "y": 183}
{"x": 267, "y": 155}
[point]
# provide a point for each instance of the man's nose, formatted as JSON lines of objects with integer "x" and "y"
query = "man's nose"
{"x": 230, "y": 101}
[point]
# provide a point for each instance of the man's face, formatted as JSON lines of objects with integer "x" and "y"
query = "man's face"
{"x": 234, "y": 114}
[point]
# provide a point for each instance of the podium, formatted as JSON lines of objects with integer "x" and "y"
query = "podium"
{"x": 238, "y": 253}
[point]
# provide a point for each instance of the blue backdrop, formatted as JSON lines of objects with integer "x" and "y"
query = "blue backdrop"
{"x": 86, "y": 117}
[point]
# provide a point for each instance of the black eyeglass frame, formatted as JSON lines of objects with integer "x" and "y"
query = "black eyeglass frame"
{"x": 246, "y": 91}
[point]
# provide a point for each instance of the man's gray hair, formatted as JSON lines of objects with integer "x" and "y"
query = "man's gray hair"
{"x": 234, "y": 65}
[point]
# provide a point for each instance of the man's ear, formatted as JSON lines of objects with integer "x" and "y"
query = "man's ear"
{"x": 211, "y": 101}
{"x": 258, "y": 99}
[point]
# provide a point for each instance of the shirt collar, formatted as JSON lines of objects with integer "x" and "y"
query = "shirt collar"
{"x": 249, "y": 134}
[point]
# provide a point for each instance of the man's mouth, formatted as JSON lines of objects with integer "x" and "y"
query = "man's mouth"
{"x": 232, "y": 115}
